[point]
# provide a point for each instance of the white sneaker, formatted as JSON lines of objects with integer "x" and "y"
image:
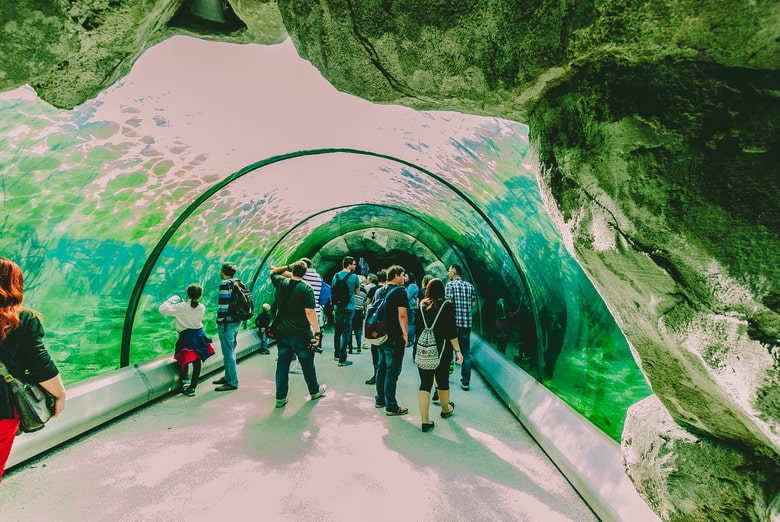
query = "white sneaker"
{"x": 296, "y": 369}
{"x": 319, "y": 394}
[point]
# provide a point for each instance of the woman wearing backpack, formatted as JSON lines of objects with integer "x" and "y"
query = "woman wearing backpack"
{"x": 438, "y": 313}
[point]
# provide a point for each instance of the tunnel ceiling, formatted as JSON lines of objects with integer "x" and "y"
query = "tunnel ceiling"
{"x": 142, "y": 159}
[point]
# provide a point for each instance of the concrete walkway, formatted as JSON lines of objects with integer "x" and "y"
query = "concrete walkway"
{"x": 233, "y": 456}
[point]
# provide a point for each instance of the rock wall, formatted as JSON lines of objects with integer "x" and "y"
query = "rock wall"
{"x": 656, "y": 125}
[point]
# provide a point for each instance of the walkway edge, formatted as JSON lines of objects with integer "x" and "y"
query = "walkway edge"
{"x": 588, "y": 458}
{"x": 95, "y": 401}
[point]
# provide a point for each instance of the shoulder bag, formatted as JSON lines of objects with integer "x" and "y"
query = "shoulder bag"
{"x": 34, "y": 404}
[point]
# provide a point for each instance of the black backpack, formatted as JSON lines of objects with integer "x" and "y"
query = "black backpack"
{"x": 242, "y": 306}
{"x": 339, "y": 295}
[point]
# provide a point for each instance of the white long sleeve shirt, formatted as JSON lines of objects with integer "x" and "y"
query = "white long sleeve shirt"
{"x": 185, "y": 316}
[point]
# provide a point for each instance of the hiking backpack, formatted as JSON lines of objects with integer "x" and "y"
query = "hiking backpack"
{"x": 428, "y": 354}
{"x": 242, "y": 306}
{"x": 375, "y": 328}
{"x": 340, "y": 292}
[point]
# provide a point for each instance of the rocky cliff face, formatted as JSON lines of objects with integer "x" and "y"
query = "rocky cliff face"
{"x": 656, "y": 125}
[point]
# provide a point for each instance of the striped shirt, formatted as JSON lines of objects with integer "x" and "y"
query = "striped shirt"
{"x": 225, "y": 296}
{"x": 462, "y": 294}
{"x": 313, "y": 279}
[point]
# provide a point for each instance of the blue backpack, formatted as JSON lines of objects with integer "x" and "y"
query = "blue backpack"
{"x": 375, "y": 328}
{"x": 324, "y": 293}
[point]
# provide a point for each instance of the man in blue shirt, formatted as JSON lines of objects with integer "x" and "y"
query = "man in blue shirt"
{"x": 412, "y": 292}
{"x": 344, "y": 313}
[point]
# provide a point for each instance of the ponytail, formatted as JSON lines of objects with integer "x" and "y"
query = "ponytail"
{"x": 194, "y": 291}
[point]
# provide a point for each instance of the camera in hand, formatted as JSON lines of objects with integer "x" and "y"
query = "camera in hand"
{"x": 313, "y": 348}
{"x": 318, "y": 347}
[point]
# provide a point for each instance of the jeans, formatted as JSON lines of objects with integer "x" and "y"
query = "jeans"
{"x": 287, "y": 348}
{"x": 391, "y": 357}
{"x": 464, "y": 340}
{"x": 357, "y": 329}
{"x": 227, "y": 341}
{"x": 412, "y": 314}
{"x": 342, "y": 332}
{"x": 263, "y": 341}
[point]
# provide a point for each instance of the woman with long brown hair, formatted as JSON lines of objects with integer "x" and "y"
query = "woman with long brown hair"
{"x": 23, "y": 353}
{"x": 446, "y": 334}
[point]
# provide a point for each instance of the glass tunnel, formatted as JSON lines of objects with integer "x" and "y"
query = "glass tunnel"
{"x": 212, "y": 152}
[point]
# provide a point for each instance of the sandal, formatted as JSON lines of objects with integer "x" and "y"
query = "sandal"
{"x": 445, "y": 414}
{"x": 399, "y": 411}
{"x": 427, "y": 426}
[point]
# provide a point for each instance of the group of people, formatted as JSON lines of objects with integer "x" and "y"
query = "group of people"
{"x": 452, "y": 304}
{"x": 297, "y": 329}
{"x": 298, "y": 325}
{"x": 409, "y": 308}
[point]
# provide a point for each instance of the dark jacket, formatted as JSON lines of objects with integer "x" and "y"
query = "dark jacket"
{"x": 26, "y": 357}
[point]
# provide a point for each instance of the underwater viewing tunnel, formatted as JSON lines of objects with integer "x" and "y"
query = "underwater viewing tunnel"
{"x": 135, "y": 206}
{"x": 137, "y": 202}
{"x": 142, "y": 144}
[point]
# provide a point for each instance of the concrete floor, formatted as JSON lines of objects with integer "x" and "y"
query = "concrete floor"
{"x": 233, "y": 456}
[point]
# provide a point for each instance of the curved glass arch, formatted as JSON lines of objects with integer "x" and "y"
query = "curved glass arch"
{"x": 151, "y": 261}
{"x": 304, "y": 249}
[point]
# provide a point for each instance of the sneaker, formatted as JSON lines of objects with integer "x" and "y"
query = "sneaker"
{"x": 281, "y": 402}
{"x": 296, "y": 369}
{"x": 185, "y": 383}
{"x": 464, "y": 387}
{"x": 189, "y": 391}
{"x": 372, "y": 380}
{"x": 357, "y": 351}
{"x": 345, "y": 363}
{"x": 349, "y": 351}
{"x": 435, "y": 396}
{"x": 321, "y": 393}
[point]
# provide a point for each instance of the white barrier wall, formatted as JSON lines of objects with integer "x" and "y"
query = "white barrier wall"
{"x": 588, "y": 458}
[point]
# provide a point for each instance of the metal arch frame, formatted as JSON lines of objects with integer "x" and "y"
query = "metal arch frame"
{"x": 332, "y": 209}
{"x": 356, "y": 229}
{"x": 454, "y": 249}
{"x": 135, "y": 296}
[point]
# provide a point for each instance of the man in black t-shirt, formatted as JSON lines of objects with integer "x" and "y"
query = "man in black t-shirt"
{"x": 295, "y": 328}
{"x": 391, "y": 353}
